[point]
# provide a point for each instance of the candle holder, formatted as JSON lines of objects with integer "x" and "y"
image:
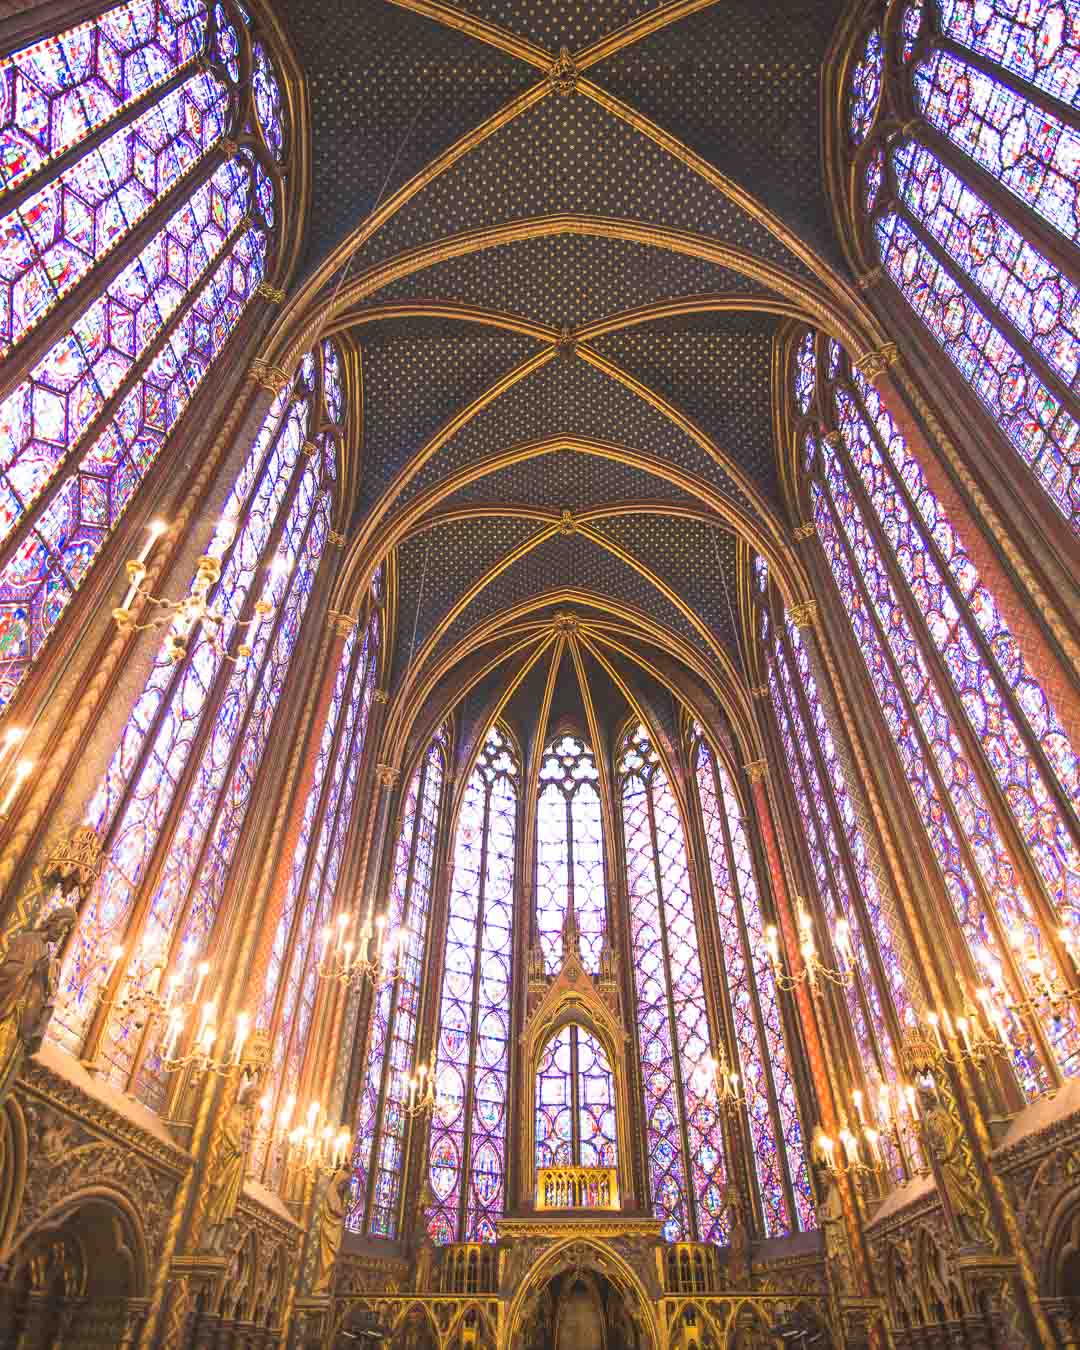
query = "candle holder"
{"x": 375, "y": 957}
{"x": 720, "y": 1084}
{"x": 421, "y": 1098}
{"x": 201, "y": 1058}
{"x": 976, "y": 1044}
{"x": 144, "y": 992}
{"x": 814, "y": 970}
{"x": 182, "y": 616}
{"x": 1049, "y": 994}
{"x": 860, "y": 1155}
{"x": 313, "y": 1146}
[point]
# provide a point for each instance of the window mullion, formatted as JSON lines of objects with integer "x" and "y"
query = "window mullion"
{"x": 819, "y": 831}
{"x": 575, "y": 1103}
{"x": 1040, "y": 98}
{"x": 470, "y": 1074}
{"x": 1004, "y": 948}
{"x": 759, "y": 1021}
{"x": 1027, "y": 223}
{"x": 391, "y": 1016}
{"x": 35, "y": 346}
{"x": 1032, "y": 879}
{"x": 312, "y": 847}
{"x": 1032, "y": 743}
{"x": 994, "y": 316}
{"x": 183, "y": 911}
{"x": 673, "y": 1025}
{"x": 869, "y": 941}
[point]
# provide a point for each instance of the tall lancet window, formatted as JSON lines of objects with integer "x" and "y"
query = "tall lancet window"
{"x": 382, "y": 1125}
{"x": 133, "y": 233}
{"x": 685, "y": 1144}
{"x": 172, "y": 804}
{"x": 570, "y": 852}
{"x": 287, "y": 1002}
{"x": 772, "y": 1110}
{"x": 989, "y": 766}
{"x": 468, "y": 1132}
{"x": 964, "y": 132}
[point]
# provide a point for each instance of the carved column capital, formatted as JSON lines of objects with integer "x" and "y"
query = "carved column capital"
{"x": 386, "y": 775}
{"x": 806, "y": 530}
{"x": 804, "y": 614}
{"x": 268, "y": 376}
{"x": 274, "y": 294}
{"x": 872, "y": 365}
{"x": 342, "y": 624}
{"x": 757, "y": 770}
{"x": 381, "y": 696}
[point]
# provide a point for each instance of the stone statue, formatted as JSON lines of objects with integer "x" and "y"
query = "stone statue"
{"x": 834, "y": 1229}
{"x": 945, "y": 1146}
{"x": 331, "y": 1226}
{"x": 738, "y": 1236}
{"x": 228, "y": 1162}
{"x": 29, "y": 974}
{"x": 425, "y": 1248}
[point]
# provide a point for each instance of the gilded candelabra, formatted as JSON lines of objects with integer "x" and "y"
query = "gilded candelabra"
{"x": 375, "y": 956}
{"x": 814, "y": 970}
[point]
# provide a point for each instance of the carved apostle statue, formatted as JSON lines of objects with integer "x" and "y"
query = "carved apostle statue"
{"x": 29, "y": 973}
{"x": 331, "y": 1227}
{"x": 228, "y": 1163}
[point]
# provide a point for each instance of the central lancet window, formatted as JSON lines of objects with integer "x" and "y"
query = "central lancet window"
{"x": 468, "y": 1133}
{"x": 687, "y": 1175}
{"x": 570, "y": 852}
{"x": 575, "y": 1102}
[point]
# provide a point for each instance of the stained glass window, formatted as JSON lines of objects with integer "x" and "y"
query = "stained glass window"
{"x": 175, "y": 796}
{"x": 761, "y": 1057}
{"x": 379, "y": 1151}
{"x": 133, "y": 234}
{"x": 468, "y": 1131}
{"x": 687, "y": 1173}
{"x": 287, "y": 1001}
{"x": 575, "y": 1102}
{"x": 988, "y": 763}
{"x": 570, "y": 851}
{"x": 982, "y": 207}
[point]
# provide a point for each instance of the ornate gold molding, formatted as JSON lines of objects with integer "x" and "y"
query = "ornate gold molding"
{"x": 804, "y": 614}
{"x": 869, "y": 279}
{"x": 872, "y": 365}
{"x": 608, "y": 1226}
{"x": 567, "y": 524}
{"x": 806, "y": 530}
{"x": 757, "y": 770}
{"x": 342, "y": 624}
{"x": 335, "y": 539}
{"x": 759, "y": 691}
{"x": 310, "y": 449}
{"x": 381, "y": 696}
{"x": 386, "y": 775}
{"x": 565, "y": 622}
{"x": 274, "y": 294}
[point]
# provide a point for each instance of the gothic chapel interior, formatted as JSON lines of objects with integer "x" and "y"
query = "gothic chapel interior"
{"x": 540, "y": 674}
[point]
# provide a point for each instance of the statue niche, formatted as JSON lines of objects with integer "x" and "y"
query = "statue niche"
{"x": 578, "y": 1309}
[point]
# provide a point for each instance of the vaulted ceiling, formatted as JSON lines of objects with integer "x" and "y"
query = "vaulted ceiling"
{"x": 567, "y": 232}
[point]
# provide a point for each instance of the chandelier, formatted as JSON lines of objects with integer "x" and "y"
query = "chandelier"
{"x": 375, "y": 956}
{"x": 719, "y": 1083}
{"x": 312, "y": 1145}
{"x": 814, "y": 970}
{"x": 182, "y": 616}
{"x": 421, "y": 1097}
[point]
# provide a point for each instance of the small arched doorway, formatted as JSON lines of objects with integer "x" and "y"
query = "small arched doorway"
{"x": 578, "y": 1309}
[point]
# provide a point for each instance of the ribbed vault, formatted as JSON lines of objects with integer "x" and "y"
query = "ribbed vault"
{"x": 566, "y": 254}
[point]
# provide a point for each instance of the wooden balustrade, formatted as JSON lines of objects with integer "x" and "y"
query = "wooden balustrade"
{"x": 577, "y": 1188}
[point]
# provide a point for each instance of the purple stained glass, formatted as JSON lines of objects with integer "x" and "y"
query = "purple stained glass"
{"x": 1039, "y": 40}
{"x": 56, "y": 92}
{"x": 268, "y": 102}
{"x": 380, "y": 1137}
{"x": 133, "y": 799}
{"x": 672, "y": 1021}
{"x": 570, "y": 851}
{"x": 468, "y": 1133}
{"x": 805, "y": 371}
{"x": 750, "y": 1062}
{"x": 972, "y": 815}
{"x": 56, "y": 237}
{"x": 864, "y": 91}
{"x": 1031, "y": 152}
{"x": 50, "y": 563}
{"x": 575, "y": 1102}
{"x": 554, "y": 1092}
{"x": 1040, "y": 427}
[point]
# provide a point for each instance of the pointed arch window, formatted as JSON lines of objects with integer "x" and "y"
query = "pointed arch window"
{"x": 287, "y": 1002}
{"x": 761, "y": 1058}
{"x": 379, "y": 1153}
{"x": 990, "y": 768}
{"x": 137, "y": 218}
{"x": 972, "y": 205}
{"x": 575, "y": 1102}
{"x": 468, "y": 1132}
{"x": 570, "y": 851}
{"x": 687, "y": 1172}
{"x": 172, "y": 803}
